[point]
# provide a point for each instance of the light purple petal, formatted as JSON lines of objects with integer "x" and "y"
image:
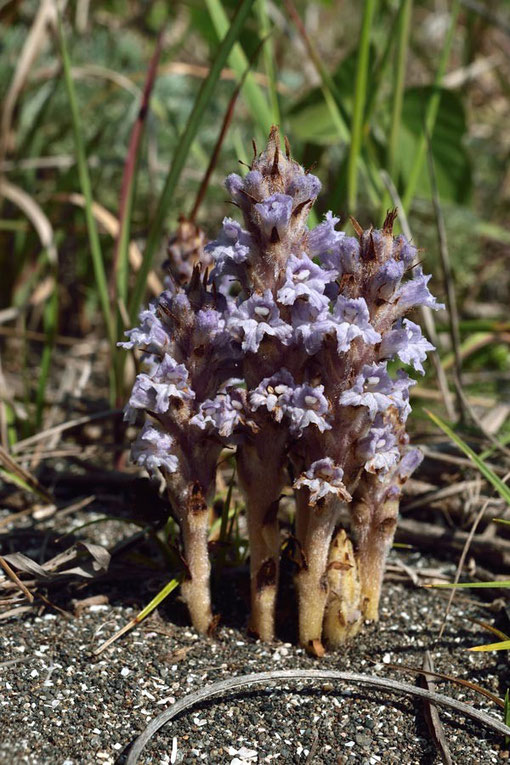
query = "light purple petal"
{"x": 322, "y": 478}
{"x": 373, "y": 388}
{"x": 273, "y": 393}
{"x": 274, "y": 213}
{"x": 307, "y": 406}
{"x": 222, "y": 413}
{"x": 256, "y": 317}
{"x": 416, "y": 293}
{"x": 153, "y": 449}
{"x": 305, "y": 280}
{"x": 151, "y": 335}
{"x": 407, "y": 342}
{"x": 379, "y": 448}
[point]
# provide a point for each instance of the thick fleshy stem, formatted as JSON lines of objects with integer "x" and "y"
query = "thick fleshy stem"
{"x": 373, "y": 523}
{"x": 261, "y": 479}
{"x": 343, "y": 617}
{"x": 312, "y": 580}
{"x": 194, "y": 525}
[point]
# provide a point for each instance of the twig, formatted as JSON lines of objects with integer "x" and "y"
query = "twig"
{"x": 384, "y": 684}
{"x": 17, "y": 581}
{"x": 21, "y": 445}
{"x": 19, "y": 472}
{"x": 429, "y": 536}
{"x": 476, "y": 419}
{"x": 454, "y": 460}
{"x": 463, "y": 556}
{"x": 433, "y": 719}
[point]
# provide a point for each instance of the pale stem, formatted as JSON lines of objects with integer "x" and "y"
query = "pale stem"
{"x": 196, "y": 590}
{"x": 373, "y": 525}
{"x": 343, "y": 615}
{"x": 261, "y": 480}
{"x": 311, "y": 581}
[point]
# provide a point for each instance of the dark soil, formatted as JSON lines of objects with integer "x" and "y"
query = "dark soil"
{"x": 62, "y": 705}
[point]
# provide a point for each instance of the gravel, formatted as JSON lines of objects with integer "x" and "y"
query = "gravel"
{"x": 61, "y": 705}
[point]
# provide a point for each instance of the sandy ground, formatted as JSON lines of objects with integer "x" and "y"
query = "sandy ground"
{"x": 61, "y": 705}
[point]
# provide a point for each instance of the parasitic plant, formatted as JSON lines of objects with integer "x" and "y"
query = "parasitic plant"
{"x": 281, "y": 351}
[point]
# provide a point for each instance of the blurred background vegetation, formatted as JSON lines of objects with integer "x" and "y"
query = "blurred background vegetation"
{"x": 393, "y": 103}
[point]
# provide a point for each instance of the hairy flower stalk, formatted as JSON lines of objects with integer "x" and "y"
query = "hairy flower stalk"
{"x": 282, "y": 352}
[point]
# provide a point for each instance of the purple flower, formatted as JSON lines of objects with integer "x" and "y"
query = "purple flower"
{"x": 234, "y": 185}
{"x": 230, "y": 251}
{"x": 153, "y": 449}
{"x": 408, "y": 464}
{"x": 274, "y": 213}
{"x": 306, "y": 280}
{"x": 407, "y": 342}
{"x": 153, "y": 392}
{"x": 324, "y": 242}
{"x": 273, "y": 393}
{"x": 222, "y": 413}
{"x": 350, "y": 319}
{"x": 307, "y": 406}
{"x": 404, "y": 250}
{"x": 415, "y": 293}
{"x": 304, "y": 187}
{"x": 311, "y": 324}
{"x": 151, "y": 335}
{"x": 379, "y": 448}
{"x": 353, "y": 320}
{"x": 386, "y": 280}
{"x": 373, "y": 389}
{"x": 400, "y": 395}
{"x": 209, "y": 324}
{"x": 322, "y": 478}
{"x": 256, "y": 317}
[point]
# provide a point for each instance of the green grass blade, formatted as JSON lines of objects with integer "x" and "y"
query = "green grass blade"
{"x": 155, "y": 602}
{"x": 50, "y": 321}
{"x": 431, "y": 110}
{"x": 392, "y": 164}
{"x": 95, "y": 246}
{"x": 252, "y": 93}
{"x": 503, "y": 646}
{"x": 182, "y": 150}
{"x": 503, "y": 584}
{"x": 333, "y": 100}
{"x": 269, "y": 60}
{"x": 485, "y": 470}
{"x": 360, "y": 95}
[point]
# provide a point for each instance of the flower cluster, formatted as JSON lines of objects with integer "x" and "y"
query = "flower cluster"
{"x": 281, "y": 351}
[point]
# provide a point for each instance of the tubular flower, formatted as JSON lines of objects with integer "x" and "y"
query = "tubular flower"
{"x": 278, "y": 346}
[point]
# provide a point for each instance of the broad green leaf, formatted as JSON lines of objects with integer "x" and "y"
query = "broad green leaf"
{"x": 310, "y": 118}
{"x": 450, "y": 157}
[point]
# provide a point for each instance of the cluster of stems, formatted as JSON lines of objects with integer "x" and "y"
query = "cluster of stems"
{"x": 286, "y": 348}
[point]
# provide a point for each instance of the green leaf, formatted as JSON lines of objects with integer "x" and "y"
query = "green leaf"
{"x": 485, "y": 470}
{"x": 451, "y": 160}
{"x": 310, "y": 118}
